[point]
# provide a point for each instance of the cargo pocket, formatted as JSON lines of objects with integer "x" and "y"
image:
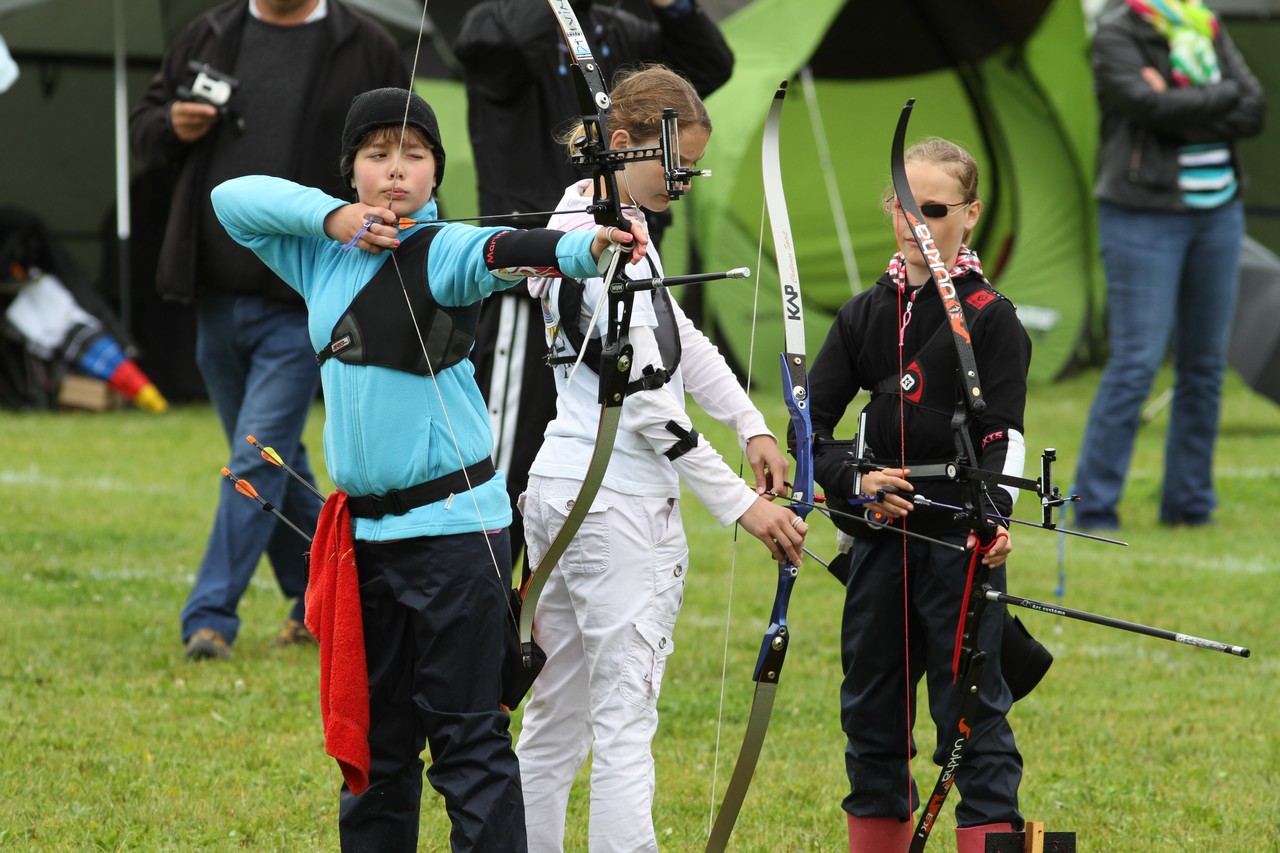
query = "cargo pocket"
{"x": 646, "y": 662}
{"x": 670, "y": 562}
{"x": 588, "y": 551}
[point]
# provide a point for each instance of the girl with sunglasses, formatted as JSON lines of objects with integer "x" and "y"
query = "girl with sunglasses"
{"x": 893, "y": 341}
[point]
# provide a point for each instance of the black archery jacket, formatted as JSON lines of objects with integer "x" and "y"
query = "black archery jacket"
{"x": 861, "y": 354}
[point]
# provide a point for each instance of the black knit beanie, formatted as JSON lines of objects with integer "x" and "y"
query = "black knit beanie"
{"x": 386, "y": 108}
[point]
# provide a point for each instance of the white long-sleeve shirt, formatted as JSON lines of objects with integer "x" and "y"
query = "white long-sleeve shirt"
{"x": 638, "y": 466}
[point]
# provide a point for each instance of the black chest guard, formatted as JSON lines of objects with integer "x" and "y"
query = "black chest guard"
{"x": 378, "y": 329}
{"x": 569, "y": 307}
{"x": 928, "y": 379}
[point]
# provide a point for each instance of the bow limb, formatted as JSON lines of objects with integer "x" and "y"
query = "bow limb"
{"x": 969, "y": 660}
{"x": 795, "y": 381}
{"x": 939, "y": 275}
{"x": 616, "y": 356}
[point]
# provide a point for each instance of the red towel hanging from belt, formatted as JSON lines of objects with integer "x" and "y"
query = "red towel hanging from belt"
{"x": 334, "y": 617}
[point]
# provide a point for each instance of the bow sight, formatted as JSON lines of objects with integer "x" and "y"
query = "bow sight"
{"x": 594, "y": 152}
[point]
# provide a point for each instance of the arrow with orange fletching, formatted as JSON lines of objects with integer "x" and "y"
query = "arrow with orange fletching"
{"x": 269, "y": 454}
{"x": 246, "y": 488}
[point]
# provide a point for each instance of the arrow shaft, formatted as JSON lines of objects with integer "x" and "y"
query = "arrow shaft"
{"x": 1109, "y": 622}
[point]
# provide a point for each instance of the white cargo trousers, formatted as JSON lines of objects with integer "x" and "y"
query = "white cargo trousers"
{"x": 605, "y": 620}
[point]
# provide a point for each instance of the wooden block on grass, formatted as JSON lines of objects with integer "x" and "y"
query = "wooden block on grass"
{"x": 84, "y": 393}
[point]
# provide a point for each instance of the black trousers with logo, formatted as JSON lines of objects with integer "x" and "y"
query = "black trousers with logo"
{"x": 434, "y": 613}
{"x": 875, "y": 712}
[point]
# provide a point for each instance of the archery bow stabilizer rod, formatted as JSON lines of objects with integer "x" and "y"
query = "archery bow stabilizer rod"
{"x": 637, "y": 284}
{"x": 1085, "y": 616}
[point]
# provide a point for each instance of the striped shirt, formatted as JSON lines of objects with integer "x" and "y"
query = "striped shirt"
{"x": 1206, "y": 175}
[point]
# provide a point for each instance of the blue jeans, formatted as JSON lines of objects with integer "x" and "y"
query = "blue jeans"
{"x": 258, "y": 365}
{"x": 1169, "y": 275}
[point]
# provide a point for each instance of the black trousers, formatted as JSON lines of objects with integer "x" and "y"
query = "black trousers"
{"x": 434, "y": 625}
{"x": 876, "y": 713}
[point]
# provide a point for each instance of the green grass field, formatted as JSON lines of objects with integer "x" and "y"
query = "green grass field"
{"x": 109, "y": 740}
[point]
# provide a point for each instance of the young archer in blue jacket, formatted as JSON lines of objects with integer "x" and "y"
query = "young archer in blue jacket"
{"x": 408, "y": 438}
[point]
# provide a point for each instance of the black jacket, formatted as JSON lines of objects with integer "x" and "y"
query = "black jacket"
{"x": 520, "y": 92}
{"x": 359, "y": 55}
{"x": 861, "y": 352}
{"x": 1142, "y": 130}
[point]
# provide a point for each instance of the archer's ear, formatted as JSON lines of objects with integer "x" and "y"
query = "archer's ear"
{"x": 620, "y": 138}
{"x": 971, "y": 215}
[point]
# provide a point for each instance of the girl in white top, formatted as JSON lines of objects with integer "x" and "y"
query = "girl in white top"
{"x": 607, "y": 612}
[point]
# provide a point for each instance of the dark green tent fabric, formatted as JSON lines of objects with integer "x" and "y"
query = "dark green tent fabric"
{"x": 1025, "y": 110}
{"x": 1255, "y": 29}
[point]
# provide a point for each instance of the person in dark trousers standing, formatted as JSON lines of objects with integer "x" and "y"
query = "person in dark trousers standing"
{"x": 420, "y": 509}
{"x": 1174, "y": 97}
{"x": 252, "y": 87}
{"x": 517, "y": 74}
{"x": 894, "y": 340}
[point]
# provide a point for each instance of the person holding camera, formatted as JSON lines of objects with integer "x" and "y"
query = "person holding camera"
{"x": 252, "y": 87}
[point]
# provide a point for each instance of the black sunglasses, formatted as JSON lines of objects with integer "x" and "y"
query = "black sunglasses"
{"x": 935, "y": 210}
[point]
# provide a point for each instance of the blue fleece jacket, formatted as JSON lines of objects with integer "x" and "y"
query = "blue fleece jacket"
{"x": 386, "y": 429}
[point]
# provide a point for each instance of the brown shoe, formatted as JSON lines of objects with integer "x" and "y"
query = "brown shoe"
{"x": 206, "y": 644}
{"x": 294, "y": 633}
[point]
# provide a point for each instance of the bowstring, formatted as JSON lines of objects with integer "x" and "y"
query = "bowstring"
{"x": 444, "y": 409}
{"x": 902, "y": 461}
{"x": 733, "y": 554}
{"x": 595, "y": 314}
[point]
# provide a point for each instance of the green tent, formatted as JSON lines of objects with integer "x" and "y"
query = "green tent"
{"x": 1015, "y": 90}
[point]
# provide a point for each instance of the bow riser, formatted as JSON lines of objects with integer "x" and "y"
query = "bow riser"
{"x": 795, "y": 383}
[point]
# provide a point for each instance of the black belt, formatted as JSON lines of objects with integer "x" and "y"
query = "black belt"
{"x": 400, "y": 501}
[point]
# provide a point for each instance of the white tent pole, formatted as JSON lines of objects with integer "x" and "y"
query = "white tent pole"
{"x": 122, "y": 169}
{"x": 829, "y": 173}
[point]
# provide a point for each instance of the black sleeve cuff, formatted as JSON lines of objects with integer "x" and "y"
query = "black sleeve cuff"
{"x": 535, "y": 247}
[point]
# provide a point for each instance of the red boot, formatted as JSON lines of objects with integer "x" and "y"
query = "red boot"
{"x": 878, "y": 835}
{"x": 973, "y": 839}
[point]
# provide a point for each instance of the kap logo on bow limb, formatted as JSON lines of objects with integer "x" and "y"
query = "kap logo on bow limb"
{"x": 795, "y": 384}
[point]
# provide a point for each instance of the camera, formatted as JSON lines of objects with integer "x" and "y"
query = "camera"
{"x": 208, "y": 86}
{"x": 215, "y": 88}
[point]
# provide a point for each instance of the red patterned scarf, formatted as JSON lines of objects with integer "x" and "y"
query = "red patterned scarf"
{"x": 966, "y": 262}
